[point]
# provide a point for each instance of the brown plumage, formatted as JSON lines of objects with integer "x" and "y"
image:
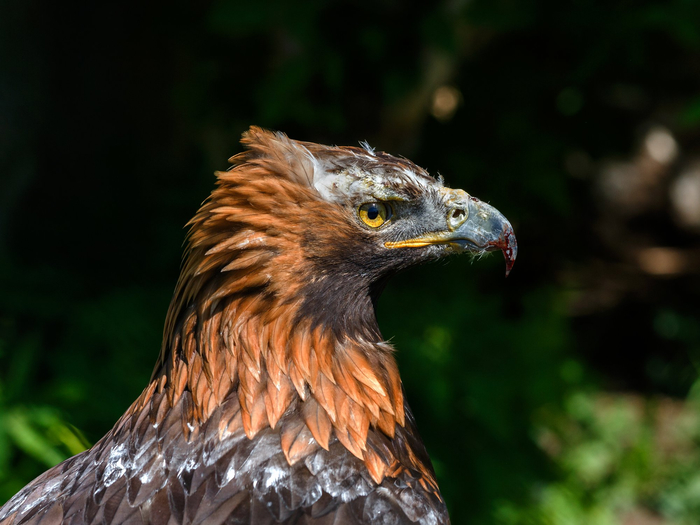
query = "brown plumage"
{"x": 275, "y": 398}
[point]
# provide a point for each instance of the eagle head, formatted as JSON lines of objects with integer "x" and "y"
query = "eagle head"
{"x": 325, "y": 226}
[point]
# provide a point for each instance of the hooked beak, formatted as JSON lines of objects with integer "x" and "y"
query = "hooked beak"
{"x": 472, "y": 226}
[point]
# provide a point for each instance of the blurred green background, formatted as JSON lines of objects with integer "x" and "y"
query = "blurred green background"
{"x": 567, "y": 394}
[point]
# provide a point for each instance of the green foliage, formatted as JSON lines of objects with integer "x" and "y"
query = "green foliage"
{"x": 109, "y": 341}
{"x": 619, "y": 458}
{"x": 30, "y": 436}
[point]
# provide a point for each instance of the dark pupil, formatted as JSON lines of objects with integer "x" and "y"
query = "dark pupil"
{"x": 373, "y": 212}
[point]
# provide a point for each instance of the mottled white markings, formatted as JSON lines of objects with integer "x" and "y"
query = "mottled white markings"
{"x": 230, "y": 474}
{"x": 116, "y": 465}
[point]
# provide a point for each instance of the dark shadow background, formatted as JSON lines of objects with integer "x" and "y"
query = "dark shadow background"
{"x": 564, "y": 394}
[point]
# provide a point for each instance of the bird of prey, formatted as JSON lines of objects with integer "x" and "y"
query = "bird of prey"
{"x": 275, "y": 398}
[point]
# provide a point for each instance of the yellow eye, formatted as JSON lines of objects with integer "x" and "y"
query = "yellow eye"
{"x": 374, "y": 214}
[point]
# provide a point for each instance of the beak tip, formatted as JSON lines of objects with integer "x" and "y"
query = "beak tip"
{"x": 510, "y": 249}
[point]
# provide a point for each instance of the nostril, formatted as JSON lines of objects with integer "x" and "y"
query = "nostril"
{"x": 456, "y": 217}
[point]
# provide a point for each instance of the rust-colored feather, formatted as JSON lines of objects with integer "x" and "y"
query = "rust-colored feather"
{"x": 326, "y": 393}
{"x": 347, "y": 384}
{"x": 254, "y": 415}
{"x": 274, "y": 372}
{"x": 301, "y": 351}
{"x": 324, "y": 349}
{"x": 297, "y": 441}
{"x": 349, "y": 443}
{"x": 298, "y": 381}
{"x": 317, "y": 422}
{"x": 357, "y": 363}
{"x": 375, "y": 466}
{"x": 387, "y": 424}
{"x": 396, "y": 391}
{"x": 246, "y": 260}
{"x": 277, "y": 400}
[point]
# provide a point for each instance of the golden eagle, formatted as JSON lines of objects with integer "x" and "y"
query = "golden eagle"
{"x": 275, "y": 398}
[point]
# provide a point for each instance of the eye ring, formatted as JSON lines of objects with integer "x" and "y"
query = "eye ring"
{"x": 374, "y": 214}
